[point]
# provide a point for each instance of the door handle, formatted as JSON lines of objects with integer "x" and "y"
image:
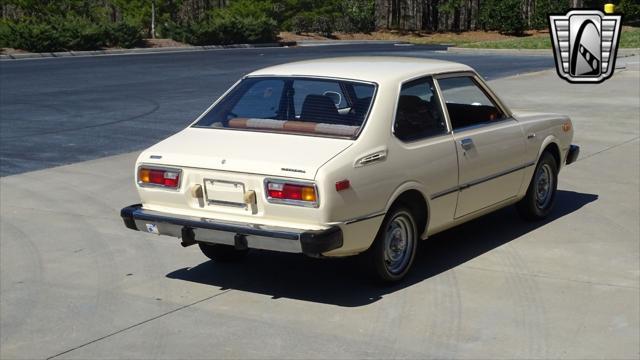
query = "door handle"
{"x": 466, "y": 143}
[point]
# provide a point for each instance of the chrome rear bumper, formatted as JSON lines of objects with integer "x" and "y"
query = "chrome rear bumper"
{"x": 241, "y": 235}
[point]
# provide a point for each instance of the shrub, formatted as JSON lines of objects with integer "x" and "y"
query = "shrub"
{"x": 123, "y": 35}
{"x": 38, "y": 37}
{"x": 244, "y": 21}
{"x": 631, "y": 11}
{"x": 542, "y": 10}
{"x": 502, "y": 15}
{"x": 231, "y": 29}
{"x": 323, "y": 25}
{"x": 302, "y": 23}
{"x": 58, "y": 33}
{"x": 5, "y": 34}
{"x": 313, "y": 22}
{"x": 76, "y": 33}
{"x": 360, "y": 16}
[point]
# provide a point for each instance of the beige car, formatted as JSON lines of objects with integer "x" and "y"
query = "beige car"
{"x": 345, "y": 156}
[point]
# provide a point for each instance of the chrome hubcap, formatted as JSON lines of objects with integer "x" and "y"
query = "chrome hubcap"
{"x": 544, "y": 186}
{"x": 399, "y": 242}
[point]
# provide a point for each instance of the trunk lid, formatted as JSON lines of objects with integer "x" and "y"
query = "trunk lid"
{"x": 273, "y": 154}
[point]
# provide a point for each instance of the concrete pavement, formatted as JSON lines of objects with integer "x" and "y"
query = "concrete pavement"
{"x": 74, "y": 283}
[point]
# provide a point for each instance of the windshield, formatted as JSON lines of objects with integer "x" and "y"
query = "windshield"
{"x": 310, "y": 106}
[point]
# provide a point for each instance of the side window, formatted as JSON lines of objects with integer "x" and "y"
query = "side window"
{"x": 363, "y": 91}
{"x": 466, "y": 103}
{"x": 419, "y": 114}
{"x": 262, "y": 100}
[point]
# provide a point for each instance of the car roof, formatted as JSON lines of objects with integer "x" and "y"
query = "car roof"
{"x": 377, "y": 69}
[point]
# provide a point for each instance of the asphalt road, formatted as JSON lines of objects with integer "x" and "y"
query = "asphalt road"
{"x": 64, "y": 110}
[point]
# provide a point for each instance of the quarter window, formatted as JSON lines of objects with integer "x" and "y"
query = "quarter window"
{"x": 419, "y": 114}
{"x": 467, "y": 103}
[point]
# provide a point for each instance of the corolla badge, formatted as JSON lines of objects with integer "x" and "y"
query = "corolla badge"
{"x": 585, "y": 43}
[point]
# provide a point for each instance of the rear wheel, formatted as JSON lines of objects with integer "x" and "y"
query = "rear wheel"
{"x": 394, "y": 249}
{"x": 541, "y": 194}
{"x": 222, "y": 253}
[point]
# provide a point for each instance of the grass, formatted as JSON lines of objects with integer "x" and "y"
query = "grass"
{"x": 630, "y": 39}
{"x": 537, "y": 42}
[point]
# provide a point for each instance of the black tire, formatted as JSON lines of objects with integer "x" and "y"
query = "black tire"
{"x": 222, "y": 253}
{"x": 535, "y": 206}
{"x": 378, "y": 258}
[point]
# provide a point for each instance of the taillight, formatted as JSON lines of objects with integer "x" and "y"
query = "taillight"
{"x": 292, "y": 193}
{"x": 151, "y": 176}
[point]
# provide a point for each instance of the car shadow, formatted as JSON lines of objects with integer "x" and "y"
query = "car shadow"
{"x": 342, "y": 282}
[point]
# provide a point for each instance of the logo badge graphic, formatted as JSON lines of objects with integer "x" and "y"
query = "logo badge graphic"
{"x": 585, "y": 43}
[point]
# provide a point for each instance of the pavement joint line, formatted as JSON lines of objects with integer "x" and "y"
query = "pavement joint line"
{"x": 137, "y": 324}
{"x": 594, "y": 283}
{"x": 608, "y": 148}
{"x": 116, "y": 211}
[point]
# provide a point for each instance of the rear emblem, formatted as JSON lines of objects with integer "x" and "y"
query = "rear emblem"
{"x": 223, "y": 161}
{"x": 293, "y": 170}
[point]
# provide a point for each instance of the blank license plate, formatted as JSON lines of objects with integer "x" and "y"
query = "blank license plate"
{"x": 220, "y": 192}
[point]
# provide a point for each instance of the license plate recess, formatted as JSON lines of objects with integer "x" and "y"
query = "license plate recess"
{"x": 224, "y": 192}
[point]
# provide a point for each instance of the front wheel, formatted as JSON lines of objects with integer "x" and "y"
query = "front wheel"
{"x": 392, "y": 253}
{"x": 541, "y": 194}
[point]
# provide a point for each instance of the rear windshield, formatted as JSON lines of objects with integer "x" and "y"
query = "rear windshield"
{"x": 309, "y": 106}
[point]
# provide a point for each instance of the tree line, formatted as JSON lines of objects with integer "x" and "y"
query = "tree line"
{"x": 509, "y": 16}
{"x": 54, "y": 25}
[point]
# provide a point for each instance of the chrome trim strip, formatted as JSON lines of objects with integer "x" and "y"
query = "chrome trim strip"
{"x": 494, "y": 176}
{"x": 482, "y": 84}
{"x": 484, "y": 124}
{"x": 365, "y": 217}
{"x": 481, "y": 180}
{"x": 372, "y": 158}
{"x": 445, "y": 192}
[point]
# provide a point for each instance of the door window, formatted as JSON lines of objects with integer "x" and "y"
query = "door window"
{"x": 419, "y": 114}
{"x": 467, "y": 103}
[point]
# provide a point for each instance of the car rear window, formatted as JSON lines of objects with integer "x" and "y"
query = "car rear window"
{"x": 295, "y": 105}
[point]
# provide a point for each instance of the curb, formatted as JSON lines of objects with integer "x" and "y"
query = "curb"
{"x": 308, "y": 43}
{"x": 539, "y": 52}
{"x": 62, "y": 54}
{"x": 628, "y": 52}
